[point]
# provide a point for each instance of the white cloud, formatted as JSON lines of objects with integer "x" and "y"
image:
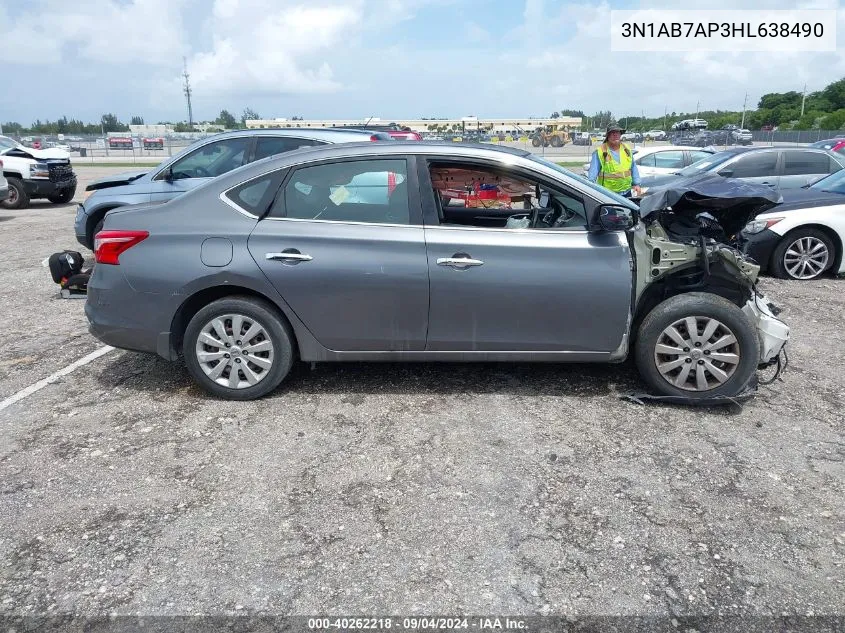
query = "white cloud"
{"x": 104, "y": 32}
{"x": 263, "y": 48}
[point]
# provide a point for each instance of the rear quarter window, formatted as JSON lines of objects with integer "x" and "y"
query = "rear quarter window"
{"x": 254, "y": 196}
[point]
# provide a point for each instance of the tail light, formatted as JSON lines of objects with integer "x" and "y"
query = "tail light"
{"x": 108, "y": 245}
{"x": 374, "y": 138}
{"x": 1, "y": 164}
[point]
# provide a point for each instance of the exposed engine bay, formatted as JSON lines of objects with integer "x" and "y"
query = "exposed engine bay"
{"x": 689, "y": 236}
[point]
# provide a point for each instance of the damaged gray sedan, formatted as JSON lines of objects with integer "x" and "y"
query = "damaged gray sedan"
{"x": 432, "y": 252}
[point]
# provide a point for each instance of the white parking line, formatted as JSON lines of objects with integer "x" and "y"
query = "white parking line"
{"x": 28, "y": 391}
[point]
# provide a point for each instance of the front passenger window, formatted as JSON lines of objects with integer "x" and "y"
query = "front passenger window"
{"x": 756, "y": 165}
{"x": 211, "y": 160}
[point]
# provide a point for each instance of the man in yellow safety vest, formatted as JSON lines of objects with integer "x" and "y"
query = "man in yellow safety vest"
{"x": 612, "y": 165}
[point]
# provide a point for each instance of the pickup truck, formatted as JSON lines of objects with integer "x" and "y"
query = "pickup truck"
{"x": 35, "y": 173}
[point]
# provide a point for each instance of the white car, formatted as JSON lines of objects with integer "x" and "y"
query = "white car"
{"x": 656, "y": 135}
{"x": 802, "y": 237}
{"x": 665, "y": 159}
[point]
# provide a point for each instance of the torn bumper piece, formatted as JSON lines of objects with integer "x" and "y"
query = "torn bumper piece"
{"x": 773, "y": 333}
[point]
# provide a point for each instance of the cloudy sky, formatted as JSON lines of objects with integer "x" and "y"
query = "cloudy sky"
{"x": 360, "y": 58}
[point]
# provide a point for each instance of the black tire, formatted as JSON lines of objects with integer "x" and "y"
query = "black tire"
{"x": 18, "y": 198}
{"x": 279, "y": 333}
{"x": 65, "y": 197}
{"x": 98, "y": 226}
{"x": 556, "y": 142}
{"x": 705, "y": 306}
{"x": 778, "y": 264}
{"x": 535, "y": 142}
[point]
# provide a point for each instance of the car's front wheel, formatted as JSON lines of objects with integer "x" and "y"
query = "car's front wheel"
{"x": 697, "y": 346}
{"x": 64, "y": 197}
{"x": 238, "y": 348}
{"x": 803, "y": 254}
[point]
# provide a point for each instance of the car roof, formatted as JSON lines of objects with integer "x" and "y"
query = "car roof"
{"x": 326, "y": 134}
{"x": 659, "y": 148}
{"x": 442, "y": 148}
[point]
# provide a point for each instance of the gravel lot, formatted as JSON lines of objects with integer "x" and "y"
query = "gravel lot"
{"x": 407, "y": 489}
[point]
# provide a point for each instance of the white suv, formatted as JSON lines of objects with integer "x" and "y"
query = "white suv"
{"x": 34, "y": 173}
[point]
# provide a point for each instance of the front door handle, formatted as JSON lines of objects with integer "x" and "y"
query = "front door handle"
{"x": 459, "y": 262}
{"x": 290, "y": 255}
{"x": 768, "y": 184}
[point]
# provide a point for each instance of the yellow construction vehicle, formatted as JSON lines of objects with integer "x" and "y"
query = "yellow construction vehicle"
{"x": 554, "y": 135}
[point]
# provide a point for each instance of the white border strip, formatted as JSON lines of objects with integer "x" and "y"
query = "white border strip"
{"x": 28, "y": 391}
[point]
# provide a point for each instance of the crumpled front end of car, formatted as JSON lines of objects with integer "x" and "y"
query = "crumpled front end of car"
{"x": 686, "y": 244}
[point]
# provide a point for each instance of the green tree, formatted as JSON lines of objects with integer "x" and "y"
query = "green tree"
{"x": 248, "y": 114}
{"x": 182, "y": 126}
{"x": 554, "y": 115}
{"x": 834, "y": 93}
{"x": 137, "y": 120}
{"x": 833, "y": 121}
{"x": 110, "y": 123}
{"x": 227, "y": 120}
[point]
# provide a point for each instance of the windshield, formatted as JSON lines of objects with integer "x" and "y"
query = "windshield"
{"x": 705, "y": 164}
{"x": 835, "y": 183}
{"x": 597, "y": 188}
{"x": 6, "y": 143}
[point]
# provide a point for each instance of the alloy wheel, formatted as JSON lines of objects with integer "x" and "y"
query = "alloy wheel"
{"x": 806, "y": 258}
{"x": 235, "y": 351}
{"x": 697, "y": 353}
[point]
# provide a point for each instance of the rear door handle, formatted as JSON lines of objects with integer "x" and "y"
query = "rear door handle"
{"x": 459, "y": 262}
{"x": 292, "y": 255}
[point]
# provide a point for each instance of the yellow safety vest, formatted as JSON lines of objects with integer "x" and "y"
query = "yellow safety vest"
{"x": 613, "y": 175}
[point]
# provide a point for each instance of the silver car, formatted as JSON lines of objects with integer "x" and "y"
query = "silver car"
{"x": 412, "y": 251}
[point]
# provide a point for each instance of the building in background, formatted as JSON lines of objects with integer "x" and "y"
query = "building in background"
{"x": 517, "y": 125}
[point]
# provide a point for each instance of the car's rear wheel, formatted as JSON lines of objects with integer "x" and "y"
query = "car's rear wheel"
{"x": 697, "y": 346}
{"x": 18, "y": 198}
{"x": 803, "y": 254}
{"x": 238, "y": 348}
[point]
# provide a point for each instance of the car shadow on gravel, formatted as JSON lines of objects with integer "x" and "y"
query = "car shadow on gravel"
{"x": 150, "y": 374}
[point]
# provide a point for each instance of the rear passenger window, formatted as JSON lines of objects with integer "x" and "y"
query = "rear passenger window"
{"x": 272, "y": 145}
{"x": 805, "y": 163}
{"x": 254, "y": 196}
{"x": 646, "y": 161}
{"x": 373, "y": 191}
{"x": 670, "y": 159}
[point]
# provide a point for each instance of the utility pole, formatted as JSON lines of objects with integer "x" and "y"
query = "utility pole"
{"x": 803, "y": 97}
{"x": 742, "y": 125}
{"x": 187, "y": 91}
{"x": 697, "y": 107}
{"x": 665, "y": 112}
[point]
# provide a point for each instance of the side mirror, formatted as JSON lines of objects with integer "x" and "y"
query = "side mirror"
{"x": 726, "y": 173}
{"x": 168, "y": 175}
{"x": 615, "y": 218}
